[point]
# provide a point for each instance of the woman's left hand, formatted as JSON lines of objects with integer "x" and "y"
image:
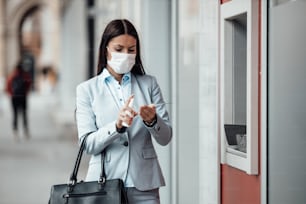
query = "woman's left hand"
{"x": 148, "y": 113}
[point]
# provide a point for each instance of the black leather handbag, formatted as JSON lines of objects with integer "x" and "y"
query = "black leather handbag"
{"x": 102, "y": 191}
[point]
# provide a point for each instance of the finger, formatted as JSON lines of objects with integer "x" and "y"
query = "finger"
{"x": 122, "y": 115}
{"x": 130, "y": 111}
{"x": 121, "y": 118}
{"x": 127, "y": 103}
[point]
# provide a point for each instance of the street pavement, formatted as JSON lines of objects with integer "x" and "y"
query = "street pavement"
{"x": 28, "y": 168}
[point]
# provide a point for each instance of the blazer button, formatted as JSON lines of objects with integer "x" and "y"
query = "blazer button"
{"x": 126, "y": 143}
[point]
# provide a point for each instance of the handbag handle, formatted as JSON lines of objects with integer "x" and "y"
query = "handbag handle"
{"x": 102, "y": 175}
{"x": 73, "y": 177}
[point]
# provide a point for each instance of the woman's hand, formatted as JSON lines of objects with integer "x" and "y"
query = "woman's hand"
{"x": 126, "y": 114}
{"x": 148, "y": 113}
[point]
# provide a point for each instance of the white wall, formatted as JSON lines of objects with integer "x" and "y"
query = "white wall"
{"x": 194, "y": 65}
{"x": 188, "y": 102}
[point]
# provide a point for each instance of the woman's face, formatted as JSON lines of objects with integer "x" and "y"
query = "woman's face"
{"x": 123, "y": 44}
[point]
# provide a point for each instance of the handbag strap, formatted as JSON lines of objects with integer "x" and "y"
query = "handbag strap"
{"x": 102, "y": 178}
{"x": 73, "y": 177}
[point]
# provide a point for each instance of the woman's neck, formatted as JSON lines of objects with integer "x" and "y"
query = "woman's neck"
{"x": 117, "y": 76}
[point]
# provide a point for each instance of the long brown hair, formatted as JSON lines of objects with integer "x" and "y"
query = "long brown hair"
{"x": 113, "y": 29}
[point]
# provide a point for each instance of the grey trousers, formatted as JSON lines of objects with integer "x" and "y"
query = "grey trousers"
{"x": 142, "y": 197}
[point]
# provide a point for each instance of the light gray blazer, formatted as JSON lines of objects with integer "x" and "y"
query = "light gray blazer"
{"x": 133, "y": 151}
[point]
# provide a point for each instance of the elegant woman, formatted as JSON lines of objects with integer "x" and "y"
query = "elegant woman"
{"x": 121, "y": 110}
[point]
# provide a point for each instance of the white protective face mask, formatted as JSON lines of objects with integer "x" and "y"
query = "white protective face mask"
{"x": 121, "y": 62}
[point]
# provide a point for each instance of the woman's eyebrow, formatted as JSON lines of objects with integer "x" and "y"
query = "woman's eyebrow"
{"x": 132, "y": 46}
{"x": 118, "y": 45}
{"x": 121, "y": 46}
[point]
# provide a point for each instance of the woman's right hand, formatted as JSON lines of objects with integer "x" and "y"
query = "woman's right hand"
{"x": 126, "y": 114}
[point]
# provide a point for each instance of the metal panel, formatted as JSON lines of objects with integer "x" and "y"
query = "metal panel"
{"x": 287, "y": 104}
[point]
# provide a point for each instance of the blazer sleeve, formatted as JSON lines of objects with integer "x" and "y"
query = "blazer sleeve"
{"x": 162, "y": 130}
{"x": 98, "y": 138}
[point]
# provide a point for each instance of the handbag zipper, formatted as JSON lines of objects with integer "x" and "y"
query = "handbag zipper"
{"x": 75, "y": 195}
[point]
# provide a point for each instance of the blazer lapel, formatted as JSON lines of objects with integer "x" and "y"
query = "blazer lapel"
{"x": 104, "y": 105}
{"x": 142, "y": 96}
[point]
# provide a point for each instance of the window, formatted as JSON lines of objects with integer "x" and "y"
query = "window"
{"x": 239, "y": 85}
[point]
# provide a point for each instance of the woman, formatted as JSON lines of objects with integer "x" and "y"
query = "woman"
{"x": 121, "y": 110}
{"x": 18, "y": 88}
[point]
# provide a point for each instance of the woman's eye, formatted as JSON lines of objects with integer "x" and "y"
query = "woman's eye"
{"x": 124, "y": 50}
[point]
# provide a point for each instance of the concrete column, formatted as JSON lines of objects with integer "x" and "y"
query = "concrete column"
{"x": 50, "y": 28}
{"x": 209, "y": 164}
{"x": 73, "y": 67}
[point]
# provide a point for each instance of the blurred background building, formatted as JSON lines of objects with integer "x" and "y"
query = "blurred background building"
{"x": 215, "y": 60}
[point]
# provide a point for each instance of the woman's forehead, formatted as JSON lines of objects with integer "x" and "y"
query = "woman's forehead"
{"x": 124, "y": 40}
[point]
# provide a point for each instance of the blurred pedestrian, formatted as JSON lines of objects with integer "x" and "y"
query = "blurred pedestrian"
{"x": 122, "y": 110}
{"x": 18, "y": 87}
